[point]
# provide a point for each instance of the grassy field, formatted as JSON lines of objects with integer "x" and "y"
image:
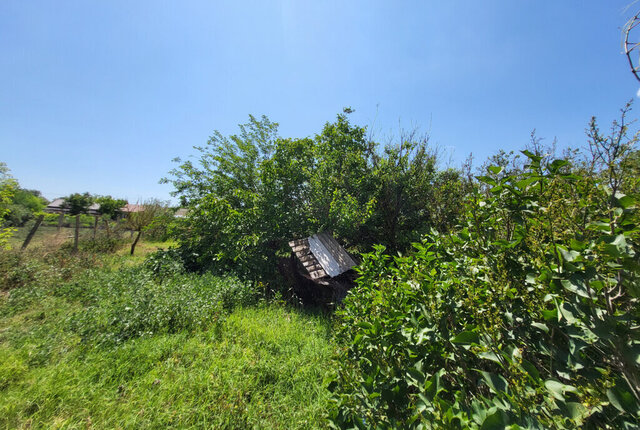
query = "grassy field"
{"x": 47, "y": 235}
{"x": 50, "y": 237}
{"x": 89, "y": 343}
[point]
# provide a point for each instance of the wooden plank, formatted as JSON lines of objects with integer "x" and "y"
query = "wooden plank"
{"x": 300, "y": 248}
{"x": 305, "y": 258}
{"x": 318, "y": 274}
{"x": 298, "y": 242}
{"x": 313, "y": 267}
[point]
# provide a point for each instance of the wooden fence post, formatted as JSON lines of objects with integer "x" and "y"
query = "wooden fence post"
{"x": 32, "y": 232}
{"x": 60, "y": 221}
{"x": 95, "y": 227}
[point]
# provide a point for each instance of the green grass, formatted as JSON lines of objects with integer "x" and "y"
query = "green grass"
{"x": 47, "y": 235}
{"x": 258, "y": 366}
{"x": 262, "y": 369}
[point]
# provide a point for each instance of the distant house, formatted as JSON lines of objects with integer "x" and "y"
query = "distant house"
{"x": 94, "y": 209}
{"x": 131, "y": 208}
{"x": 181, "y": 213}
{"x": 56, "y": 207}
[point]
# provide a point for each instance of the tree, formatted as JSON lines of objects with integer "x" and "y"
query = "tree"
{"x": 110, "y": 208}
{"x": 249, "y": 194}
{"x": 139, "y": 220}
{"x": 8, "y": 186}
{"x": 77, "y": 203}
{"x": 24, "y": 206}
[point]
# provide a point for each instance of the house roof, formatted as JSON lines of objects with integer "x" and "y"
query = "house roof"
{"x": 131, "y": 207}
{"x": 57, "y": 206}
{"x": 321, "y": 255}
{"x": 94, "y": 209}
{"x": 181, "y": 213}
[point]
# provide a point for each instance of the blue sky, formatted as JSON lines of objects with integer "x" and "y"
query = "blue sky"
{"x": 100, "y": 96}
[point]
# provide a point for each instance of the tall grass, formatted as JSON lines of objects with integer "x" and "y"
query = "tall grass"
{"x": 124, "y": 348}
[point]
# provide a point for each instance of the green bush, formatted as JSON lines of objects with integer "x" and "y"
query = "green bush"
{"x": 86, "y": 221}
{"x": 159, "y": 228}
{"x": 50, "y": 219}
{"x": 526, "y": 317}
{"x": 164, "y": 263}
{"x": 132, "y": 303}
{"x": 102, "y": 244}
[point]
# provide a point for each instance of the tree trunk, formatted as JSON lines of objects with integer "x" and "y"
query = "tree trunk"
{"x": 60, "y": 221}
{"x": 75, "y": 239}
{"x": 135, "y": 242}
{"x": 32, "y": 232}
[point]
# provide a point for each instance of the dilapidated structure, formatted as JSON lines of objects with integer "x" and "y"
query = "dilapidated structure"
{"x": 319, "y": 269}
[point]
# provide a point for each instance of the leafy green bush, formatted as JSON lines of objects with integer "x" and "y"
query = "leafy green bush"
{"x": 526, "y": 317}
{"x": 102, "y": 244}
{"x": 50, "y": 219}
{"x": 164, "y": 262}
{"x": 159, "y": 228}
{"x": 131, "y": 303}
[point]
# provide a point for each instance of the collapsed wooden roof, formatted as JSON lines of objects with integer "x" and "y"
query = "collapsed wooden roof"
{"x": 321, "y": 255}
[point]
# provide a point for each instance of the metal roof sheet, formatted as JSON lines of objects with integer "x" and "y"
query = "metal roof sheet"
{"x": 321, "y": 255}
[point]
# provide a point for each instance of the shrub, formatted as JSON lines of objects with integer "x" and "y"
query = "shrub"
{"x": 526, "y": 317}
{"x": 131, "y": 303}
{"x": 159, "y": 228}
{"x": 163, "y": 263}
{"x": 102, "y": 244}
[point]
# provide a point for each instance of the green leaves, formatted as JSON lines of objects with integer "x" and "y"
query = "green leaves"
{"x": 496, "y": 382}
{"x": 568, "y": 255}
{"x": 466, "y": 337}
{"x": 558, "y": 389}
{"x": 525, "y": 317}
{"x": 622, "y": 400}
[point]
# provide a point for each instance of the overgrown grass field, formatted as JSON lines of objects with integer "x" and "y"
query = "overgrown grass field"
{"x": 95, "y": 342}
{"x": 47, "y": 235}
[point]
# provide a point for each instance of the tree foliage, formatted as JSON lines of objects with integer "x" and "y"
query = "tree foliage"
{"x": 8, "y": 186}
{"x": 77, "y": 203}
{"x": 250, "y": 193}
{"x": 24, "y": 206}
{"x": 141, "y": 219}
{"x": 18, "y": 205}
{"x": 109, "y": 207}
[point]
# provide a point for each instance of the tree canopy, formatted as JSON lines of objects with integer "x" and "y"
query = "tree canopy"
{"x": 252, "y": 192}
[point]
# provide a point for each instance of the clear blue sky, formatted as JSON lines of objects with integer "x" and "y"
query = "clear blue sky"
{"x": 100, "y": 96}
